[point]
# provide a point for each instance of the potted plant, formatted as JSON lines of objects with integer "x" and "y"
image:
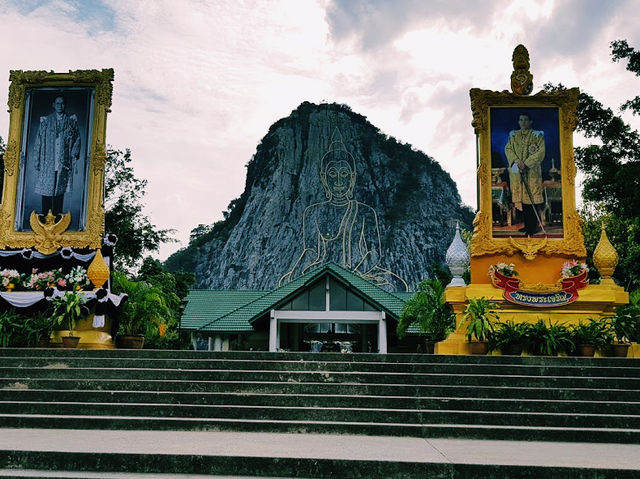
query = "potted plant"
{"x": 429, "y": 311}
{"x": 144, "y": 309}
{"x": 590, "y": 336}
{"x": 479, "y": 316}
{"x": 509, "y": 338}
{"x": 626, "y": 327}
{"x": 39, "y": 328}
{"x": 69, "y": 308}
{"x": 543, "y": 340}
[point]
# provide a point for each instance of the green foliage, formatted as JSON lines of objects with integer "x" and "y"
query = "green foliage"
{"x": 441, "y": 273}
{"x": 9, "y": 328}
{"x": 124, "y": 216}
{"x": 38, "y": 326}
{"x": 624, "y": 235}
{"x": 17, "y": 330}
{"x": 548, "y": 340}
{"x": 174, "y": 287}
{"x": 620, "y": 50}
{"x": 508, "y": 333}
{"x": 144, "y": 310}
{"x": 626, "y": 321}
{"x": 595, "y": 331}
{"x": 480, "y": 316}
{"x": 428, "y": 310}
{"x": 68, "y": 308}
{"x": 611, "y": 165}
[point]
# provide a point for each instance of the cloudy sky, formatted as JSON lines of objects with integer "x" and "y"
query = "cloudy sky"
{"x": 199, "y": 82}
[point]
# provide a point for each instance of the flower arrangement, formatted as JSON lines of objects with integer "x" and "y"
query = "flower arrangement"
{"x": 504, "y": 269}
{"x": 10, "y": 278}
{"x": 573, "y": 268}
{"x": 43, "y": 280}
{"x": 77, "y": 278}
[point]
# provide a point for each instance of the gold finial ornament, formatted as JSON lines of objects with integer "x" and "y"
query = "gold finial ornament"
{"x": 98, "y": 271}
{"x": 521, "y": 78}
{"x": 605, "y": 257}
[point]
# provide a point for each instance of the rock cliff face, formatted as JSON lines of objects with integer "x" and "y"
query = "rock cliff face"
{"x": 261, "y": 238}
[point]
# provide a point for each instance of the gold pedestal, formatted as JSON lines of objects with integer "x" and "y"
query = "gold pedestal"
{"x": 90, "y": 337}
{"x": 594, "y": 301}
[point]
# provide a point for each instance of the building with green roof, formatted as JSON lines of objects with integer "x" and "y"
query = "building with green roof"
{"x": 327, "y": 308}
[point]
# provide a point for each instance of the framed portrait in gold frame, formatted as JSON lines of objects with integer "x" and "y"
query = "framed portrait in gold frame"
{"x": 54, "y": 162}
{"x": 526, "y": 174}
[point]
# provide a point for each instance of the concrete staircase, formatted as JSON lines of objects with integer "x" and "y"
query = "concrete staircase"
{"x": 420, "y": 396}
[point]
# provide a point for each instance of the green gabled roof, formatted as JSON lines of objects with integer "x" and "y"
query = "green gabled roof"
{"x": 206, "y": 306}
{"x": 404, "y": 295}
{"x": 235, "y": 310}
{"x": 250, "y": 312}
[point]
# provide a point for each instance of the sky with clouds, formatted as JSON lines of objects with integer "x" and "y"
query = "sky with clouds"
{"x": 199, "y": 82}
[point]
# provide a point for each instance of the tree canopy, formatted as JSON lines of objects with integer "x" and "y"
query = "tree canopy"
{"x": 611, "y": 165}
{"x": 124, "y": 214}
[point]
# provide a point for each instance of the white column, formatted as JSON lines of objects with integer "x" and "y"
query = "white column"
{"x": 273, "y": 332}
{"x": 225, "y": 343}
{"x": 382, "y": 334}
{"x": 209, "y": 343}
{"x": 217, "y": 343}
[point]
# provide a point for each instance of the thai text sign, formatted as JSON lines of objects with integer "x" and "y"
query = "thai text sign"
{"x": 566, "y": 294}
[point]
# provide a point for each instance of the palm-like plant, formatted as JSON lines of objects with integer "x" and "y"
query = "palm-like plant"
{"x": 145, "y": 307}
{"x": 480, "y": 315}
{"x": 429, "y": 311}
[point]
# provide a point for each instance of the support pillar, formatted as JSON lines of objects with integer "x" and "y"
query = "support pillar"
{"x": 382, "y": 334}
{"x": 273, "y": 332}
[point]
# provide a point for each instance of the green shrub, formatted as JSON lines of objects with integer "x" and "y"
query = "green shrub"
{"x": 429, "y": 311}
{"x": 480, "y": 316}
{"x": 548, "y": 340}
{"x": 508, "y": 333}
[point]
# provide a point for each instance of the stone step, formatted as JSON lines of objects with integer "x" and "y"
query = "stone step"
{"x": 260, "y": 357}
{"x": 323, "y": 414}
{"x": 294, "y": 467}
{"x": 265, "y": 387}
{"x": 309, "y": 365}
{"x": 323, "y": 377}
{"x": 457, "y": 430}
{"x": 313, "y": 400}
{"x": 47, "y": 474}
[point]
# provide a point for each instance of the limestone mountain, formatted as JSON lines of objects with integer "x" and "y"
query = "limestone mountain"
{"x": 327, "y": 185}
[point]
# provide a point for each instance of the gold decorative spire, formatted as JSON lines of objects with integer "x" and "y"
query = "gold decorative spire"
{"x": 98, "y": 271}
{"x": 605, "y": 257}
{"x": 521, "y": 78}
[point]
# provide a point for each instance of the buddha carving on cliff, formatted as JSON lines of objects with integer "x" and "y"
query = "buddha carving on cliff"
{"x": 341, "y": 229}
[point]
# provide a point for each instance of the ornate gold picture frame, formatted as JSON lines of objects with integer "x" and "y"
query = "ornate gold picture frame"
{"x": 55, "y": 158}
{"x": 496, "y": 236}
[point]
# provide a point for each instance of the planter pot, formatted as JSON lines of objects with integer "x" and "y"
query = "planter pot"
{"x": 512, "y": 350}
{"x": 479, "y": 347}
{"x": 134, "y": 341}
{"x": 429, "y": 347}
{"x": 586, "y": 350}
{"x": 44, "y": 343}
{"x": 70, "y": 342}
{"x": 620, "y": 350}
